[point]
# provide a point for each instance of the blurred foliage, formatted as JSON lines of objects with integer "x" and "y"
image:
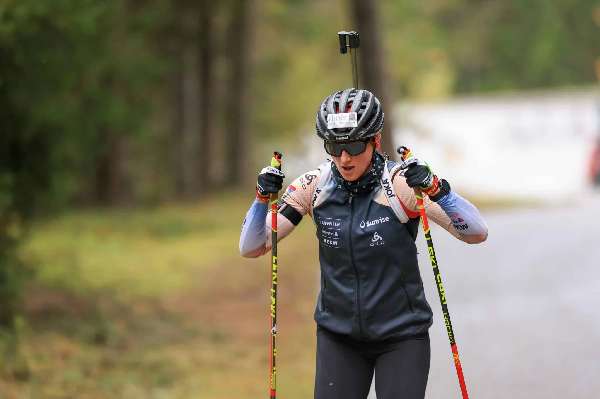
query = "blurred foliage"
{"x": 516, "y": 45}
{"x": 63, "y": 83}
{"x": 90, "y": 109}
{"x": 85, "y": 252}
{"x": 73, "y": 73}
{"x": 138, "y": 309}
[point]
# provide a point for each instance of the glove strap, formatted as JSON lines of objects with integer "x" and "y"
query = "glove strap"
{"x": 261, "y": 197}
{"x": 432, "y": 188}
{"x": 444, "y": 190}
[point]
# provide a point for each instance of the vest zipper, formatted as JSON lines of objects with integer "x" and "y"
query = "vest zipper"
{"x": 355, "y": 269}
{"x": 407, "y": 297}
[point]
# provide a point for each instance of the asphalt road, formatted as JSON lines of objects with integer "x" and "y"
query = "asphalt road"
{"x": 525, "y": 306}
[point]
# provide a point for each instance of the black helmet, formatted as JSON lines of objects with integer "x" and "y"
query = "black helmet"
{"x": 366, "y": 106}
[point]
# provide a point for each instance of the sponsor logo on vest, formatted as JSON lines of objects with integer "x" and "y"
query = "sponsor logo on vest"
{"x": 329, "y": 232}
{"x": 370, "y": 223}
{"x": 387, "y": 187}
{"x": 330, "y": 223}
{"x": 331, "y": 243}
{"x": 377, "y": 240}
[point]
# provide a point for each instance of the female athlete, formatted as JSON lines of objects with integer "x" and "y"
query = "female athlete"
{"x": 371, "y": 313}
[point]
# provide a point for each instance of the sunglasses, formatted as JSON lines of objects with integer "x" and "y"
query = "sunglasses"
{"x": 353, "y": 148}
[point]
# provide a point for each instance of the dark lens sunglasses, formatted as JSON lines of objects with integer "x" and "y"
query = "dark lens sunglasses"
{"x": 354, "y": 148}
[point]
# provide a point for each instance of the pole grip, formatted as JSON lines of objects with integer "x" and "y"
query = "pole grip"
{"x": 276, "y": 160}
{"x": 404, "y": 153}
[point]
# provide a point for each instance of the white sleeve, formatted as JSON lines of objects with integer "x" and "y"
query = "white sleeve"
{"x": 466, "y": 219}
{"x": 254, "y": 228}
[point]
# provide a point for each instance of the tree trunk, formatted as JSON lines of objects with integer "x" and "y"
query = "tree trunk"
{"x": 109, "y": 164}
{"x": 372, "y": 67}
{"x": 109, "y": 170}
{"x": 206, "y": 151}
{"x": 190, "y": 101}
{"x": 9, "y": 293}
{"x": 237, "y": 106}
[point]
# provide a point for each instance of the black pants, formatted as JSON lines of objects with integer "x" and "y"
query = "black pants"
{"x": 345, "y": 367}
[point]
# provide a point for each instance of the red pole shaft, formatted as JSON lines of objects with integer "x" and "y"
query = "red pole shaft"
{"x": 276, "y": 163}
{"x": 442, "y": 294}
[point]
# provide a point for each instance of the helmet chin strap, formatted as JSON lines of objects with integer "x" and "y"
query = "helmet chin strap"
{"x": 377, "y": 141}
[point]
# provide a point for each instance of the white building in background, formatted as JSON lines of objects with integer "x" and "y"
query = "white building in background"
{"x": 529, "y": 145}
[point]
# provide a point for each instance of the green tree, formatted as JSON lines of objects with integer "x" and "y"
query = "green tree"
{"x": 516, "y": 45}
{"x": 66, "y": 93}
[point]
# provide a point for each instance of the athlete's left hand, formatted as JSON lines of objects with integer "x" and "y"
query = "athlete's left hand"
{"x": 419, "y": 174}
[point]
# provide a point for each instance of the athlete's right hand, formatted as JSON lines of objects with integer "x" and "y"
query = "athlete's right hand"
{"x": 270, "y": 181}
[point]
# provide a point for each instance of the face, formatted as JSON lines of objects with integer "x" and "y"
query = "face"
{"x": 353, "y": 168}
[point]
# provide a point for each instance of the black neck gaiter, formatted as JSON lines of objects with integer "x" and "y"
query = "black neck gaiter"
{"x": 369, "y": 181}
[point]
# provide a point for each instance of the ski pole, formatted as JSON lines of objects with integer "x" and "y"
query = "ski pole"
{"x": 352, "y": 43}
{"x": 406, "y": 154}
{"x": 276, "y": 163}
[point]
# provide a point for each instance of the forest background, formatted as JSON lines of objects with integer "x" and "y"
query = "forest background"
{"x": 131, "y": 134}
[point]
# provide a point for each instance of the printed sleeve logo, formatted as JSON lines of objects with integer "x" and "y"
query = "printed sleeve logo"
{"x": 306, "y": 180}
{"x": 377, "y": 240}
{"x": 458, "y": 222}
{"x": 289, "y": 191}
{"x": 461, "y": 226}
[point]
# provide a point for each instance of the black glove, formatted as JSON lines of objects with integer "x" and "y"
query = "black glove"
{"x": 418, "y": 174}
{"x": 270, "y": 181}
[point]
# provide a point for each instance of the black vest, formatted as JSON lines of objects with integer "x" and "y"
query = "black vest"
{"x": 371, "y": 288}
